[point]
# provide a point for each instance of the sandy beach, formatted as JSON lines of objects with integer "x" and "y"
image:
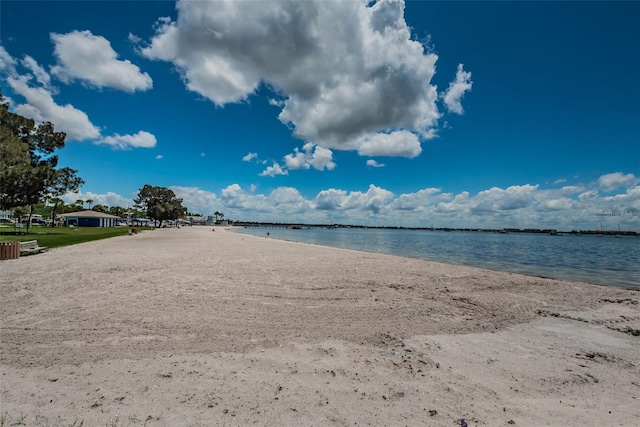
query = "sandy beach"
{"x": 189, "y": 327}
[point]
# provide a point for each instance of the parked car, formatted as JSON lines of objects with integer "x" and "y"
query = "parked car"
{"x": 39, "y": 221}
{"x": 6, "y": 221}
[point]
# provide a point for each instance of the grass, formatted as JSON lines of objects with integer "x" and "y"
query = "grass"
{"x": 55, "y": 237}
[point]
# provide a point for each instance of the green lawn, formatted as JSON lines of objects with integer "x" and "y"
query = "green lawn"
{"x": 63, "y": 236}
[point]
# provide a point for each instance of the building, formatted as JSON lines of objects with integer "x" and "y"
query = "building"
{"x": 197, "y": 220}
{"x": 90, "y": 219}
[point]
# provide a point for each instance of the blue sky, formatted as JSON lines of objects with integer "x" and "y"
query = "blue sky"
{"x": 488, "y": 114}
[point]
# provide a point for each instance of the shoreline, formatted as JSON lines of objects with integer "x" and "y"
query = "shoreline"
{"x": 189, "y": 327}
{"x": 633, "y": 287}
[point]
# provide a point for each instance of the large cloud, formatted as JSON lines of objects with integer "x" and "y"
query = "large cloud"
{"x": 91, "y": 59}
{"x": 349, "y": 74}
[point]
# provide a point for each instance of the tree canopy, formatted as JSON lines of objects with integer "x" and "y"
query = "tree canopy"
{"x": 28, "y": 165}
{"x": 160, "y": 203}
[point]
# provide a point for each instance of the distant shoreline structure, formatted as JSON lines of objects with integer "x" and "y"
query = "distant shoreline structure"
{"x": 551, "y": 231}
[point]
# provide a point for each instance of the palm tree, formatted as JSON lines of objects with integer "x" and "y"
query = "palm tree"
{"x": 116, "y": 210}
{"x": 89, "y": 202}
{"x": 79, "y": 203}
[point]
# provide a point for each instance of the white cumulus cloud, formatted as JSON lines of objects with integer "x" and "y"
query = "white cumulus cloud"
{"x": 311, "y": 156}
{"x": 274, "y": 170}
{"x": 141, "y": 139}
{"x": 614, "y": 181}
{"x": 519, "y": 206}
{"x": 107, "y": 199}
{"x": 41, "y": 106}
{"x": 399, "y": 143}
{"x": 453, "y": 95}
{"x": 7, "y": 63}
{"x": 84, "y": 56}
{"x": 330, "y": 199}
{"x": 349, "y": 74}
{"x": 498, "y": 199}
{"x": 372, "y": 201}
{"x": 39, "y": 72}
{"x": 196, "y": 200}
{"x": 419, "y": 199}
{"x": 374, "y": 164}
{"x": 249, "y": 157}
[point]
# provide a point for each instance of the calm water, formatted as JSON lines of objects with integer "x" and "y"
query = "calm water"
{"x": 604, "y": 260}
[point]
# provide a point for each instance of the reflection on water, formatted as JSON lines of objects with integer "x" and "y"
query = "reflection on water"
{"x": 604, "y": 260}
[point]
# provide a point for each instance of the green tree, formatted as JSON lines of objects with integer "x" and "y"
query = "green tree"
{"x": 159, "y": 203}
{"x": 65, "y": 179}
{"x": 28, "y": 165}
{"x": 20, "y": 181}
{"x": 117, "y": 211}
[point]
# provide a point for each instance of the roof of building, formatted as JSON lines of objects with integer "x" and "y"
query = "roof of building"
{"x": 89, "y": 214}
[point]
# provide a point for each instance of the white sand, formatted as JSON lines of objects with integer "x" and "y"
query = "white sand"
{"x": 189, "y": 327}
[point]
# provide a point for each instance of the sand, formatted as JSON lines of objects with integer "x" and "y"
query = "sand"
{"x": 189, "y": 327}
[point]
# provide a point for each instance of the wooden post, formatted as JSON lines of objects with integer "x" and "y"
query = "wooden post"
{"x": 9, "y": 250}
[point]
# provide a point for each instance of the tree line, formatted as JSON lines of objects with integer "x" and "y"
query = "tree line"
{"x": 32, "y": 183}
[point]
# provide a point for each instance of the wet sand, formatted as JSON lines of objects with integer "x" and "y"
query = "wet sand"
{"x": 189, "y": 327}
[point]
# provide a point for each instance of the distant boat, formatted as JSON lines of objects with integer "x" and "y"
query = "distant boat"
{"x": 618, "y": 236}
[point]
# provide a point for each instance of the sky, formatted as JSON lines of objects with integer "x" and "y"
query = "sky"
{"x": 386, "y": 113}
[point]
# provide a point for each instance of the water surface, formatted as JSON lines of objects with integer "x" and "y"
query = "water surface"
{"x": 596, "y": 259}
